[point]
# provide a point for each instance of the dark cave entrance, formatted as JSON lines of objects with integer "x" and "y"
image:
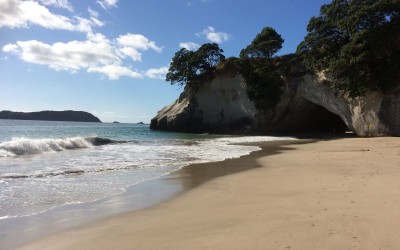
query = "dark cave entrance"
{"x": 321, "y": 119}
{"x": 307, "y": 116}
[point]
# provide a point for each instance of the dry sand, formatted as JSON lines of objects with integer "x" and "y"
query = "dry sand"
{"x": 338, "y": 194}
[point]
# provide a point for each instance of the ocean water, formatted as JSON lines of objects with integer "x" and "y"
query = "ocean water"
{"x": 45, "y": 164}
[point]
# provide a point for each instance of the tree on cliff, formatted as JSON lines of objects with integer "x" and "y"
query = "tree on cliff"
{"x": 192, "y": 67}
{"x": 356, "y": 43}
{"x": 264, "y": 46}
{"x": 258, "y": 67}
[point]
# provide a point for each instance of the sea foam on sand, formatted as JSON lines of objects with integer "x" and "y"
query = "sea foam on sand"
{"x": 336, "y": 194}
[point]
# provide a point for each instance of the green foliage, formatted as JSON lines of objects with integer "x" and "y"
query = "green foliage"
{"x": 264, "y": 46}
{"x": 356, "y": 43}
{"x": 258, "y": 66}
{"x": 264, "y": 84}
{"x": 182, "y": 69}
{"x": 190, "y": 68}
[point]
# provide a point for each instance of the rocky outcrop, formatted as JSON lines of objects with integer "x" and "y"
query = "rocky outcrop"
{"x": 67, "y": 115}
{"x": 223, "y": 106}
{"x": 374, "y": 114}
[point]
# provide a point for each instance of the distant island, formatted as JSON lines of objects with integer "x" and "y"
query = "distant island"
{"x": 67, "y": 115}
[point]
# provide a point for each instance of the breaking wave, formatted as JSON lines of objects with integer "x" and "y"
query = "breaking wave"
{"x": 27, "y": 146}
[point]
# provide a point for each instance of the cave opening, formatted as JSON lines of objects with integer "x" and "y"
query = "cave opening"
{"x": 322, "y": 120}
{"x": 307, "y": 116}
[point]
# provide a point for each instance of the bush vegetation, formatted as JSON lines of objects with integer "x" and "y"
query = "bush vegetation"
{"x": 258, "y": 65}
{"x": 192, "y": 68}
{"x": 356, "y": 43}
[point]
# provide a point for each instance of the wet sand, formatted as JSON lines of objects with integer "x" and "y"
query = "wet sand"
{"x": 336, "y": 194}
{"x": 19, "y": 231}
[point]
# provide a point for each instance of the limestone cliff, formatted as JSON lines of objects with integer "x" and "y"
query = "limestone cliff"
{"x": 222, "y": 105}
{"x": 374, "y": 114}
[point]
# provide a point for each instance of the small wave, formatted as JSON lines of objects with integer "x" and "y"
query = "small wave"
{"x": 70, "y": 172}
{"x": 27, "y": 146}
{"x": 98, "y": 141}
{"x": 43, "y": 175}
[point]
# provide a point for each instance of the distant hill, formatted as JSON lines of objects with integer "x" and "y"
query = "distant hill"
{"x": 67, "y": 115}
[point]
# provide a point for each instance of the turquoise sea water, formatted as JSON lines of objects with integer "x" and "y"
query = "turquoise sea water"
{"x": 45, "y": 164}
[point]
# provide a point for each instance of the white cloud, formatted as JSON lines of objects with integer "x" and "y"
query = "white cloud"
{"x": 114, "y": 72}
{"x": 189, "y": 46}
{"x": 107, "y": 4}
{"x": 94, "y": 16}
{"x": 71, "y": 56}
{"x": 131, "y": 44}
{"x": 157, "y": 73}
{"x": 58, "y": 3}
{"x": 97, "y": 54}
{"x": 216, "y": 37}
{"x": 22, "y": 14}
{"x": 93, "y": 13}
{"x": 10, "y": 47}
{"x": 134, "y": 54}
{"x": 137, "y": 41}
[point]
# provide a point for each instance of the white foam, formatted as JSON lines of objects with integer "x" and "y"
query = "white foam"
{"x": 252, "y": 139}
{"x": 103, "y": 171}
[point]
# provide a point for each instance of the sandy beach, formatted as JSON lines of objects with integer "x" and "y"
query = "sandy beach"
{"x": 334, "y": 194}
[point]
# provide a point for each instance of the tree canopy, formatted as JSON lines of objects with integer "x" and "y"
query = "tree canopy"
{"x": 258, "y": 67}
{"x": 265, "y": 45}
{"x": 356, "y": 43}
{"x": 191, "y": 67}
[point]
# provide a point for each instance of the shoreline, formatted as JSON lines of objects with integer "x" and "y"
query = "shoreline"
{"x": 334, "y": 194}
{"x": 23, "y": 230}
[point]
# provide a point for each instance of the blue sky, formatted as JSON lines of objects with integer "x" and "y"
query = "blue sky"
{"x": 109, "y": 57}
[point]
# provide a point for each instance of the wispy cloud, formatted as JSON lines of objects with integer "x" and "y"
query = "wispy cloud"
{"x": 157, "y": 73}
{"x": 191, "y": 3}
{"x": 189, "y": 46}
{"x": 107, "y": 4}
{"x": 23, "y": 14}
{"x": 213, "y": 36}
{"x": 65, "y": 4}
{"x": 114, "y": 72}
{"x": 94, "y": 16}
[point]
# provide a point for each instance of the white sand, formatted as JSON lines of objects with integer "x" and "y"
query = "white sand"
{"x": 340, "y": 194}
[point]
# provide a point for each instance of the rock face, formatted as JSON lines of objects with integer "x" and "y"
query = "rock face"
{"x": 374, "y": 114}
{"x": 68, "y": 115}
{"x": 223, "y": 106}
